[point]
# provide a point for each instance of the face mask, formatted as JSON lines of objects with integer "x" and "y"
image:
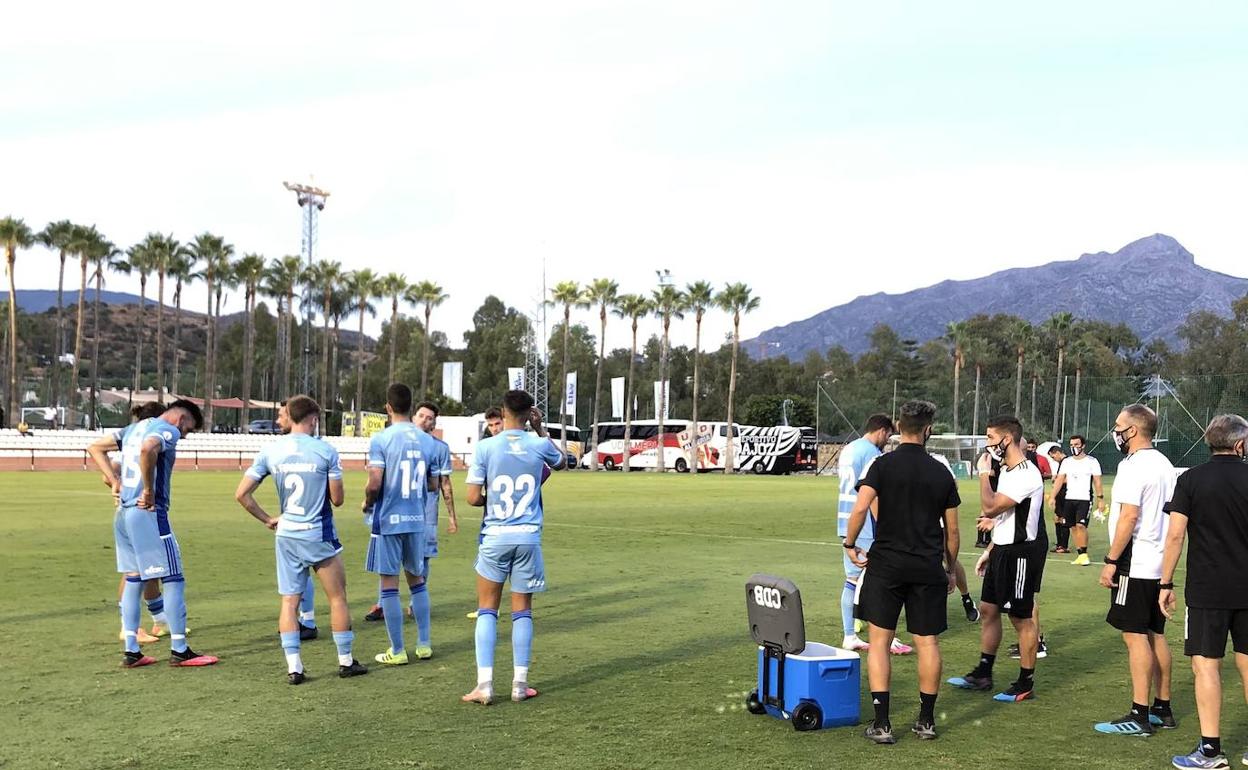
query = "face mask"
{"x": 1120, "y": 441}
{"x": 1076, "y": 450}
{"x": 997, "y": 450}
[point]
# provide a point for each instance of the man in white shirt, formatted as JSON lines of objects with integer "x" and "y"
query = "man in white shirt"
{"x": 1080, "y": 475}
{"x": 1137, "y": 527}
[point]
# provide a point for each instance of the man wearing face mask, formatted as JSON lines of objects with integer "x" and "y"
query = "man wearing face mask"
{"x": 1078, "y": 476}
{"x": 1137, "y": 528}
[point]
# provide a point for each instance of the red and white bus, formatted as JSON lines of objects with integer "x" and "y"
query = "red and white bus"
{"x": 644, "y": 444}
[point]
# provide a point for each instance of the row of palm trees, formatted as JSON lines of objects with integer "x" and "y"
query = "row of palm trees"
{"x": 665, "y": 302}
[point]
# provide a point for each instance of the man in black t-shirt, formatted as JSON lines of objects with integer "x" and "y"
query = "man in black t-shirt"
{"x": 911, "y": 563}
{"x": 1210, "y": 502}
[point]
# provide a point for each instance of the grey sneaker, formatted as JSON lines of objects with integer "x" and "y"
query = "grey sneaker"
{"x": 881, "y": 735}
{"x": 925, "y": 732}
{"x": 1198, "y": 761}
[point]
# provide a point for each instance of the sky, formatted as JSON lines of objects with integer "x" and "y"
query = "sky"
{"x": 816, "y": 151}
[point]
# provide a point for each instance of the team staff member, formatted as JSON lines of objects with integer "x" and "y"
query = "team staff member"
{"x": 1210, "y": 501}
{"x": 1079, "y": 475}
{"x": 911, "y": 563}
{"x": 1060, "y": 527}
{"x": 1137, "y": 526}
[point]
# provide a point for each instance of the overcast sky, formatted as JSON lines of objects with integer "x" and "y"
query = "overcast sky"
{"x": 872, "y": 145}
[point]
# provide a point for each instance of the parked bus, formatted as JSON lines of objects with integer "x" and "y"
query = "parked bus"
{"x": 576, "y": 441}
{"x": 777, "y": 449}
{"x": 644, "y": 444}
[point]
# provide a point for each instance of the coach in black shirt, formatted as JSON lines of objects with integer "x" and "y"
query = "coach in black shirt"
{"x": 1210, "y": 502}
{"x": 911, "y": 562}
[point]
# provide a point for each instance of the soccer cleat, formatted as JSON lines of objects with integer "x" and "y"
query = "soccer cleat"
{"x": 521, "y": 691}
{"x": 1015, "y": 694}
{"x": 484, "y": 696}
{"x": 296, "y": 677}
{"x": 882, "y": 736}
{"x": 972, "y": 611}
{"x": 859, "y": 626}
{"x": 423, "y": 652}
{"x": 925, "y": 732}
{"x": 897, "y": 648}
{"x": 1081, "y": 560}
{"x": 355, "y": 669}
{"x": 142, "y": 636}
{"x": 1164, "y": 720}
{"x": 136, "y": 659}
{"x": 159, "y": 630}
{"x": 189, "y": 658}
{"x": 971, "y": 681}
{"x": 391, "y": 659}
{"x": 375, "y": 614}
{"x": 308, "y": 633}
{"x": 1197, "y": 759}
{"x": 1042, "y": 649}
{"x": 471, "y": 615}
{"x": 1127, "y": 725}
{"x": 1013, "y": 652}
{"x": 854, "y": 644}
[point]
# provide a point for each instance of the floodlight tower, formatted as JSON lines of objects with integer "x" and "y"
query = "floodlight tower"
{"x": 312, "y": 201}
{"x": 535, "y": 374}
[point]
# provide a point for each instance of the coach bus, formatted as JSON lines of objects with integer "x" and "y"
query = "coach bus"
{"x": 644, "y": 445}
{"x": 576, "y": 441}
{"x": 776, "y": 450}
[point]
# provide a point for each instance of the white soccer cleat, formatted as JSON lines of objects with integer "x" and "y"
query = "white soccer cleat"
{"x": 854, "y": 644}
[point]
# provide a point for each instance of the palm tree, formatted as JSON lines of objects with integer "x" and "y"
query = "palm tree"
{"x": 668, "y": 301}
{"x": 249, "y": 269}
{"x": 281, "y": 279}
{"x": 976, "y": 350}
{"x": 164, "y": 247}
{"x": 339, "y": 308}
{"x": 105, "y": 256}
{"x": 736, "y": 298}
{"x": 958, "y": 334}
{"x": 362, "y": 285}
{"x": 1021, "y": 335}
{"x": 215, "y": 253}
{"x": 394, "y": 286}
{"x": 324, "y": 276}
{"x": 142, "y": 261}
{"x": 1080, "y": 351}
{"x": 603, "y": 293}
{"x": 58, "y": 236}
{"x": 227, "y": 278}
{"x": 86, "y": 242}
{"x": 14, "y": 234}
{"x": 633, "y": 307}
{"x": 430, "y": 295}
{"x": 1059, "y": 328}
{"x": 180, "y": 267}
{"x": 569, "y": 295}
{"x": 699, "y": 296}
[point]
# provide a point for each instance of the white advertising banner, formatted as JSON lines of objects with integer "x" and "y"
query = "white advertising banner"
{"x": 453, "y": 380}
{"x": 569, "y": 397}
{"x": 662, "y": 394}
{"x": 515, "y": 378}
{"x": 617, "y": 397}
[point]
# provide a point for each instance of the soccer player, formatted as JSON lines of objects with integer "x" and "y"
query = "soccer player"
{"x": 1060, "y": 528}
{"x": 146, "y": 546}
{"x": 1211, "y": 502}
{"x": 910, "y": 563}
{"x": 151, "y": 588}
{"x": 307, "y": 601}
{"x": 851, "y": 468}
{"x": 1078, "y": 476}
{"x": 1010, "y": 565}
{"x": 1042, "y": 545}
{"x": 308, "y": 476}
{"x": 493, "y": 427}
{"x": 440, "y": 469}
{"x": 398, "y": 484}
{"x": 510, "y": 466}
{"x": 1137, "y": 526}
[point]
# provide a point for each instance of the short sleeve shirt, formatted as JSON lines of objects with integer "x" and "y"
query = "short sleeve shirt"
{"x": 1145, "y": 479}
{"x": 1020, "y": 524}
{"x": 1079, "y": 474}
{"x": 1214, "y": 498}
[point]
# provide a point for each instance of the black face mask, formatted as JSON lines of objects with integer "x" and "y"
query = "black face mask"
{"x": 1121, "y": 441}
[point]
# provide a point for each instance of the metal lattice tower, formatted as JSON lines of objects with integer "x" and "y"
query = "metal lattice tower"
{"x": 312, "y": 201}
{"x": 535, "y": 364}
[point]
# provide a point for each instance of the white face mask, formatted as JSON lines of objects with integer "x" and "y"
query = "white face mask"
{"x": 996, "y": 450}
{"x": 1121, "y": 440}
{"x": 1076, "y": 450}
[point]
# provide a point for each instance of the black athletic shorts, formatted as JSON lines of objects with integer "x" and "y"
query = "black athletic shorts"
{"x": 1012, "y": 578}
{"x": 1041, "y": 555}
{"x": 1076, "y": 512}
{"x": 1205, "y": 630}
{"x": 881, "y": 596}
{"x": 1133, "y": 606}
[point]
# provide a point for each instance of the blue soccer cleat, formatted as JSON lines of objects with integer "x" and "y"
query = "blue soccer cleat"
{"x": 1127, "y": 725}
{"x": 1197, "y": 759}
{"x": 971, "y": 682}
{"x": 1015, "y": 694}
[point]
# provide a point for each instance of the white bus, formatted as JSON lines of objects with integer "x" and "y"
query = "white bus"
{"x": 643, "y": 445}
{"x": 756, "y": 449}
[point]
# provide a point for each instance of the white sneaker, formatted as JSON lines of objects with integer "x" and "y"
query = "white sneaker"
{"x": 854, "y": 644}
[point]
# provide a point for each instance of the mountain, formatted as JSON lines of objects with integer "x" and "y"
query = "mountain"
{"x": 39, "y": 300}
{"x": 1151, "y": 285}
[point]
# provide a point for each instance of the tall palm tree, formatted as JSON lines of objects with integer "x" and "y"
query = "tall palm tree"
{"x": 164, "y": 247}
{"x": 363, "y": 286}
{"x": 603, "y": 293}
{"x": 976, "y": 351}
{"x": 227, "y": 278}
{"x": 430, "y": 295}
{"x": 58, "y": 236}
{"x": 699, "y": 296}
{"x": 281, "y": 279}
{"x": 142, "y": 261}
{"x": 180, "y": 267}
{"x": 957, "y": 334}
{"x": 105, "y": 257}
{"x": 394, "y": 286}
{"x": 339, "y": 307}
{"x": 632, "y": 307}
{"x": 324, "y": 276}
{"x": 567, "y": 294}
{"x": 215, "y": 253}
{"x": 86, "y": 242}
{"x": 1059, "y": 328}
{"x": 249, "y": 269}
{"x": 736, "y": 298}
{"x": 14, "y": 234}
{"x": 668, "y": 302}
{"x": 1021, "y": 335}
{"x": 1079, "y": 354}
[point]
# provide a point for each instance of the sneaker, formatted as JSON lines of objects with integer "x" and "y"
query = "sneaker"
{"x": 190, "y": 658}
{"x": 971, "y": 609}
{"x": 375, "y": 614}
{"x": 355, "y": 669}
{"x": 521, "y": 691}
{"x": 308, "y": 633}
{"x": 897, "y": 648}
{"x": 479, "y": 694}
{"x": 471, "y": 615}
{"x": 1013, "y": 652}
{"x": 423, "y": 652}
{"x": 296, "y": 677}
{"x": 859, "y": 626}
{"x": 1127, "y": 725}
{"x": 971, "y": 681}
{"x": 1164, "y": 720}
{"x": 1081, "y": 560}
{"x": 1197, "y": 759}
{"x": 880, "y": 735}
{"x": 854, "y": 644}
{"x": 1015, "y": 694}
{"x": 1042, "y": 649}
{"x": 142, "y": 637}
{"x": 925, "y": 732}
{"x": 391, "y": 659}
{"x": 136, "y": 659}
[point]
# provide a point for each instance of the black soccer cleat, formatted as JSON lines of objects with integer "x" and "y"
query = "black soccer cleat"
{"x": 375, "y": 614}
{"x": 355, "y": 669}
{"x": 190, "y": 658}
{"x": 296, "y": 677}
{"x": 136, "y": 659}
{"x": 971, "y": 610}
{"x": 1163, "y": 719}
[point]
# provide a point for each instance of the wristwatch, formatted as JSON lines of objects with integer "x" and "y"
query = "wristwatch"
{"x": 1110, "y": 561}
{"x": 849, "y": 545}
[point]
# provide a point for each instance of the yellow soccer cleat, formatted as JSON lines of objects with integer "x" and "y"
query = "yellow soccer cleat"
{"x": 471, "y": 615}
{"x": 1081, "y": 560}
{"x": 423, "y": 652}
{"x": 389, "y": 658}
{"x": 143, "y": 637}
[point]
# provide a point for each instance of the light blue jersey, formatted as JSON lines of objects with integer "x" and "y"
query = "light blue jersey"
{"x": 850, "y": 469}
{"x": 132, "y": 441}
{"x": 439, "y": 467}
{"x": 302, "y": 467}
{"x": 510, "y": 466}
{"x": 403, "y": 452}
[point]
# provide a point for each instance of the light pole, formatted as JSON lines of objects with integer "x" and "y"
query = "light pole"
{"x": 312, "y": 201}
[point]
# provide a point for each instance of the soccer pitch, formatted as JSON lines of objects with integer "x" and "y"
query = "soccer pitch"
{"x": 641, "y": 648}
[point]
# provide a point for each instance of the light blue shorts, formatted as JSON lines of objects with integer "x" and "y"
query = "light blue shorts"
{"x": 852, "y": 571}
{"x": 142, "y": 548}
{"x": 390, "y": 554}
{"x": 521, "y": 563}
{"x": 431, "y": 528}
{"x": 295, "y": 558}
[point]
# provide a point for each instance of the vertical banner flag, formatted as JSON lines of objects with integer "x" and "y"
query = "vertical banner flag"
{"x": 569, "y": 398}
{"x": 453, "y": 380}
{"x": 515, "y": 378}
{"x": 617, "y": 397}
{"x": 663, "y": 392}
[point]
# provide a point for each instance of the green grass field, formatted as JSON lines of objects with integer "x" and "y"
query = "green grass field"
{"x": 641, "y": 646}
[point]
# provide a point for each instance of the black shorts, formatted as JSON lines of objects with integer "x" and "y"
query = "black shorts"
{"x": 881, "y": 596}
{"x": 1040, "y": 557}
{"x": 1205, "y": 630}
{"x": 1133, "y": 606}
{"x": 1012, "y": 578}
{"x": 1076, "y": 512}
